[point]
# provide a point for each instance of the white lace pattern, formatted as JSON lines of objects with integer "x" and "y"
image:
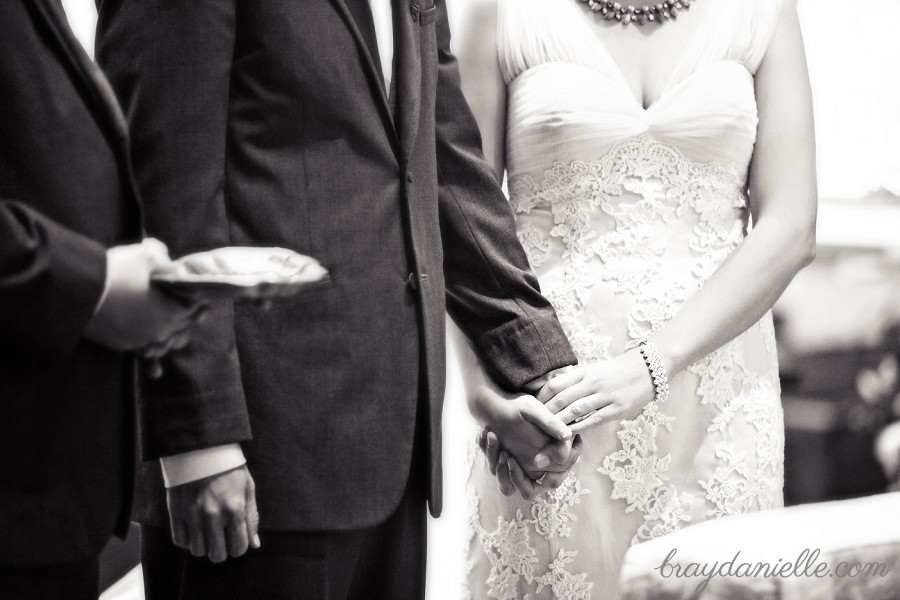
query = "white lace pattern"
{"x": 615, "y": 224}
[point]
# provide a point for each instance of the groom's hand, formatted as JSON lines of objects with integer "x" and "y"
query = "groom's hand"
{"x": 530, "y": 484}
{"x": 511, "y": 477}
{"x": 529, "y": 435}
{"x": 215, "y": 516}
{"x": 523, "y": 425}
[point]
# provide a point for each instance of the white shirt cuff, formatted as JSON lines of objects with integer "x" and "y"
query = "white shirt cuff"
{"x": 198, "y": 464}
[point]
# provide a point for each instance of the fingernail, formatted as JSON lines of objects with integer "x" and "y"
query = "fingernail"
{"x": 256, "y": 542}
{"x": 541, "y": 461}
{"x": 565, "y": 434}
{"x": 509, "y": 464}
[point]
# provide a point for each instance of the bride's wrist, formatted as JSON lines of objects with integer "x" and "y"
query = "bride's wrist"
{"x": 655, "y": 369}
{"x": 672, "y": 354}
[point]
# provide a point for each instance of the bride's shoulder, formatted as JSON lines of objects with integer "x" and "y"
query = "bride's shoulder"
{"x": 744, "y": 28}
{"x": 765, "y": 18}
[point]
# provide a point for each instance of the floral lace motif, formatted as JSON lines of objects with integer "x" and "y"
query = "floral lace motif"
{"x": 610, "y": 228}
{"x": 642, "y": 187}
{"x": 511, "y": 553}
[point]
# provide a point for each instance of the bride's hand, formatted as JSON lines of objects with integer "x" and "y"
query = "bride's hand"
{"x": 524, "y": 428}
{"x": 603, "y": 391}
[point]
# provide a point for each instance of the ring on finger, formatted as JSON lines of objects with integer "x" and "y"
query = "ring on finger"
{"x": 584, "y": 417}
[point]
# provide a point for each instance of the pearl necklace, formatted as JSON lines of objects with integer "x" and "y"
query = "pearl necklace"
{"x": 659, "y": 13}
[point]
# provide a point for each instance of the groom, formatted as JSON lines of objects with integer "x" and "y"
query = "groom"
{"x": 335, "y": 128}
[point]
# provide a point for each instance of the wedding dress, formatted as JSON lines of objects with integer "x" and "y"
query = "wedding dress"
{"x": 625, "y": 212}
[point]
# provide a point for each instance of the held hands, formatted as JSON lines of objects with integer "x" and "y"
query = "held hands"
{"x": 512, "y": 477}
{"x": 216, "y": 516}
{"x": 530, "y": 436}
{"x": 133, "y": 315}
{"x": 579, "y": 397}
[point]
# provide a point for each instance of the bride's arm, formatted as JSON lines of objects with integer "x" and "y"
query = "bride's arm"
{"x": 475, "y": 47}
{"x": 782, "y": 241}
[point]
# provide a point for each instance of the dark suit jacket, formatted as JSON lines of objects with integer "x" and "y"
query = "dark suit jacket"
{"x": 265, "y": 123}
{"x": 66, "y": 405}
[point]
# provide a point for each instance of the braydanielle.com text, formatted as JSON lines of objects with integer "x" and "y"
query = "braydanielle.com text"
{"x": 807, "y": 564}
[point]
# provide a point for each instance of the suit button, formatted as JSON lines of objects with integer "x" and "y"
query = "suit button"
{"x": 412, "y": 282}
{"x": 409, "y": 176}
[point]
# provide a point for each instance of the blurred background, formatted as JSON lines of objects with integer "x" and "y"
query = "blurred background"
{"x": 838, "y": 324}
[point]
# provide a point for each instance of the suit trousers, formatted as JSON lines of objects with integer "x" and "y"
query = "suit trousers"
{"x": 66, "y": 581}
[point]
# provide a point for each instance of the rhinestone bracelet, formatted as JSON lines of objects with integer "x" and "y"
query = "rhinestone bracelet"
{"x": 657, "y": 370}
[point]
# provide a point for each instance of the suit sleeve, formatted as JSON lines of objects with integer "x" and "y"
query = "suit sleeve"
{"x": 51, "y": 280}
{"x": 51, "y": 277}
{"x": 492, "y": 295}
{"x": 170, "y": 63}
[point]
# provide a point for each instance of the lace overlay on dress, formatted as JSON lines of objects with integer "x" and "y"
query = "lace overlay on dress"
{"x": 639, "y": 189}
{"x": 624, "y": 214}
{"x": 512, "y": 557}
{"x": 667, "y": 186}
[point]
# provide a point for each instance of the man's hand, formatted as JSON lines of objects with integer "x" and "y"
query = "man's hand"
{"x": 524, "y": 425}
{"x": 215, "y": 516}
{"x": 510, "y": 475}
{"x": 133, "y": 315}
{"x": 520, "y": 429}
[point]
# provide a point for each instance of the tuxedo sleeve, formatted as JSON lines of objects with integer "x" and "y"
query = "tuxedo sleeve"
{"x": 492, "y": 295}
{"x": 51, "y": 280}
{"x": 170, "y": 62}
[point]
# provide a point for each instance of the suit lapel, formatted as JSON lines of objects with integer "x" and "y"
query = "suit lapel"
{"x": 409, "y": 73}
{"x": 99, "y": 92}
{"x": 375, "y": 80}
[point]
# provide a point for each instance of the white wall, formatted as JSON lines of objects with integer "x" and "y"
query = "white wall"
{"x": 854, "y": 60}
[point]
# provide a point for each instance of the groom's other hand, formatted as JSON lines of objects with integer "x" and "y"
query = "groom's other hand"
{"x": 215, "y": 516}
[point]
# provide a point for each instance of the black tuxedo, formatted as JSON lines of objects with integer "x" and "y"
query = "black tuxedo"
{"x": 66, "y": 193}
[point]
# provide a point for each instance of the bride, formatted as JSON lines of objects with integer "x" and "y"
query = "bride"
{"x": 662, "y": 170}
